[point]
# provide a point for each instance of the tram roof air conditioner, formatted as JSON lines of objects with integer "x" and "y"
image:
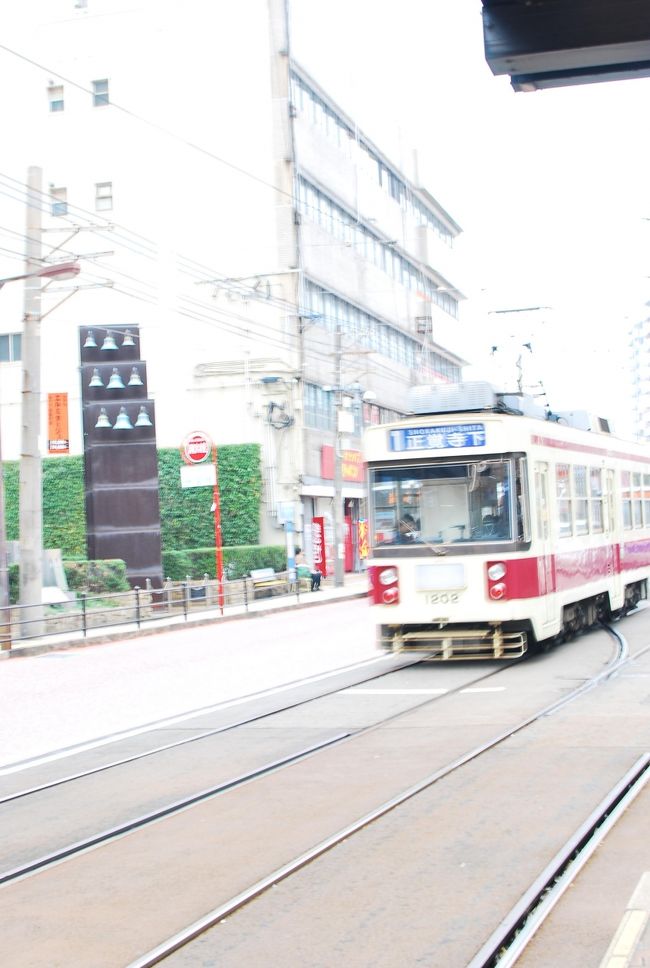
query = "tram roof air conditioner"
{"x": 452, "y": 397}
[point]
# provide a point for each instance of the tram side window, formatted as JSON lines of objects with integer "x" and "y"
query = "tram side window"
{"x": 646, "y": 499}
{"x": 637, "y": 501}
{"x": 596, "y": 498}
{"x": 626, "y": 499}
{"x": 580, "y": 503}
{"x": 563, "y": 490}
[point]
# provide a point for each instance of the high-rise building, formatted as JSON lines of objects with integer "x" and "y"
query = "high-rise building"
{"x": 288, "y": 279}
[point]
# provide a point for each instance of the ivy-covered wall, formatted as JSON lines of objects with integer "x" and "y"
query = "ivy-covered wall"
{"x": 64, "y": 515}
{"x": 186, "y": 518}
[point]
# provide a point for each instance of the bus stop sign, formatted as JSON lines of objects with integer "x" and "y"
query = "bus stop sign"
{"x": 196, "y": 448}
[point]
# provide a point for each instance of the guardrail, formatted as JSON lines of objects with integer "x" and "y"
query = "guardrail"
{"x": 84, "y": 613}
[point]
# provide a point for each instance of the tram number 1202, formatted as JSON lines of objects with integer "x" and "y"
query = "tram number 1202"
{"x": 442, "y": 598}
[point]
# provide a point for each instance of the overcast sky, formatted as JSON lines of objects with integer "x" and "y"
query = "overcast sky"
{"x": 551, "y": 188}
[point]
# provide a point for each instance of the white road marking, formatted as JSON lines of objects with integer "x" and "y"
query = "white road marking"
{"x": 485, "y": 689}
{"x": 353, "y": 691}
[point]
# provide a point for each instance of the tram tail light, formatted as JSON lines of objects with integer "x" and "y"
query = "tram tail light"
{"x": 384, "y": 584}
{"x": 496, "y": 572}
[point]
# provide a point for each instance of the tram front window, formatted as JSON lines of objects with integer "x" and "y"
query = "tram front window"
{"x": 443, "y": 503}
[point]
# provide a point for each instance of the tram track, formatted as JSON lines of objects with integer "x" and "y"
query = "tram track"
{"x": 274, "y": 874}
{"x": 142, "y": 820}
{"x": 218, "y": 914}
{"x": 519, "y": 926}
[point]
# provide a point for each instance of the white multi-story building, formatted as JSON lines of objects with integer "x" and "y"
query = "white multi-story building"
{"x": 279, "y": 266}
{"x": 640, "y": 377}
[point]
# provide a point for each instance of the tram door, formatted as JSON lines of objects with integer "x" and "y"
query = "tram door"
{"x": 545, "y": 563}
{"x": 613, "y": 548}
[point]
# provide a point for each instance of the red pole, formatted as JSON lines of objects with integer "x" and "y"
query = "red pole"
{"x": 217, "y": 527}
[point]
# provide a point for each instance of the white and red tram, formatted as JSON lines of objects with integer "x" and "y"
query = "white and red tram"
{"x": 494, "y": 527}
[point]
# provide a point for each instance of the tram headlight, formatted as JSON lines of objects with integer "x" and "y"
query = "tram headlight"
{"x": 387, "y": 576}
{"x": 496, "y": 571}
{"x": 384, "y": 584}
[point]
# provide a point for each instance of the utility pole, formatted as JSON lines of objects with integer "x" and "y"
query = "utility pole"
{"x": 338, "y": 464}
{"x": 31, "y": 512}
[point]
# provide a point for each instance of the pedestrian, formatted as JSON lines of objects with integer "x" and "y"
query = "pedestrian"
{"x": 304, "y": 571}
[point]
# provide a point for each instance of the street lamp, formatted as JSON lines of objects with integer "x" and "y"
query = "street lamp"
{"x": 63, "y": 270}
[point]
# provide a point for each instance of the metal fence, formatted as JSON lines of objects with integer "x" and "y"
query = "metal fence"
{"x": 180, "y": 600}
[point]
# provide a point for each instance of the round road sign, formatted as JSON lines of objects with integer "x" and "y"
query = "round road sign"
{"x": 196, "y": 447}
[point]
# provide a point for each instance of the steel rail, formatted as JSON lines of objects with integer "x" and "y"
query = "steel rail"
{"x": 111, "y": 834}
{"x": 511, "y": 937}
{"x": 82, "y": 774}
{"x": 213, "y": 917}
{"x": 103, "y": 837}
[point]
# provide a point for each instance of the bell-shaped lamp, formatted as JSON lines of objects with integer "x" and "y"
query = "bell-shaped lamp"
{"x": 96, "y": 380}
{"x": 123, "y": 421}
{"x": 109, "y": 342}
{"x": 144, "y": 420}
{"x": 134, "y": 379}
{"x": 90, "y": 343}
{"x": 102, "y": 419}
{"x": 128, "y": 338}
{"x": 116, "y": 382}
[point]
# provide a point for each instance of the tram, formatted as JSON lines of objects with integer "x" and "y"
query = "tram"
{"x": 496, "y": 527}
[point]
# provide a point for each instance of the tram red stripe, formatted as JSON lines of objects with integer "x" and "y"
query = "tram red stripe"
{"x": 533, "y": 577}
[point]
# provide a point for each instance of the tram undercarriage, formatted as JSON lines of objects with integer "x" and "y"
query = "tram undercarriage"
{"x": 505, "y": 640}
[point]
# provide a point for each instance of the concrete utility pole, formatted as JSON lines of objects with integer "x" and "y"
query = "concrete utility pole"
{"x": 31, "y": 512}
{"x": 339, "y": 562}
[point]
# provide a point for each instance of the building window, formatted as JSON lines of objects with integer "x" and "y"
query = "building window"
{"x": 319, "y": 411}
{"x": 55, "y": 97}
{"x": 10, "y": 345}
{"x": 103, "y": 196}
{"x": 59, "y": 198}
{"x": 100, "y": 93}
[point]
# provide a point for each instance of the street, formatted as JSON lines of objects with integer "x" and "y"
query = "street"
{"x": 62, "y": 699}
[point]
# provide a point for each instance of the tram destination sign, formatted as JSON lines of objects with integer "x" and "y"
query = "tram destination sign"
{"x": 446, "y": 437}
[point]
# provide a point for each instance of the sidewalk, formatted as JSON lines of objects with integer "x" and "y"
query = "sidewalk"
{"x": 355, "y": 586}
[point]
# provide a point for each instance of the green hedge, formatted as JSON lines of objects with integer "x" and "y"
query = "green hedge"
{"x": 185, "y": 516}
{"x": 95, "y": 577}
{"x": 108, "y": 575}
{"x": 237, "y": 562}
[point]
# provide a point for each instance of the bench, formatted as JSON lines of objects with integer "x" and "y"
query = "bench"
{"x": 266, "y": 581}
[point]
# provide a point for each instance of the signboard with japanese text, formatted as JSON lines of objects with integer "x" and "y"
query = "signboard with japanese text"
{"x": 447, "y": 437}
{"x": 352, "y": 466}
{"x": 318, "y": 545}
{"x": 364, "y": 548}
{"x": 58, "y": 436}
{"x": 198, "y": 475}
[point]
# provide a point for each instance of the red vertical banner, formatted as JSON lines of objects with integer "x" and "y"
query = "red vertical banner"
{"x": 318, "y": 545}
{"x": 58, "y": 436}
{"x": 348, "y": 559}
